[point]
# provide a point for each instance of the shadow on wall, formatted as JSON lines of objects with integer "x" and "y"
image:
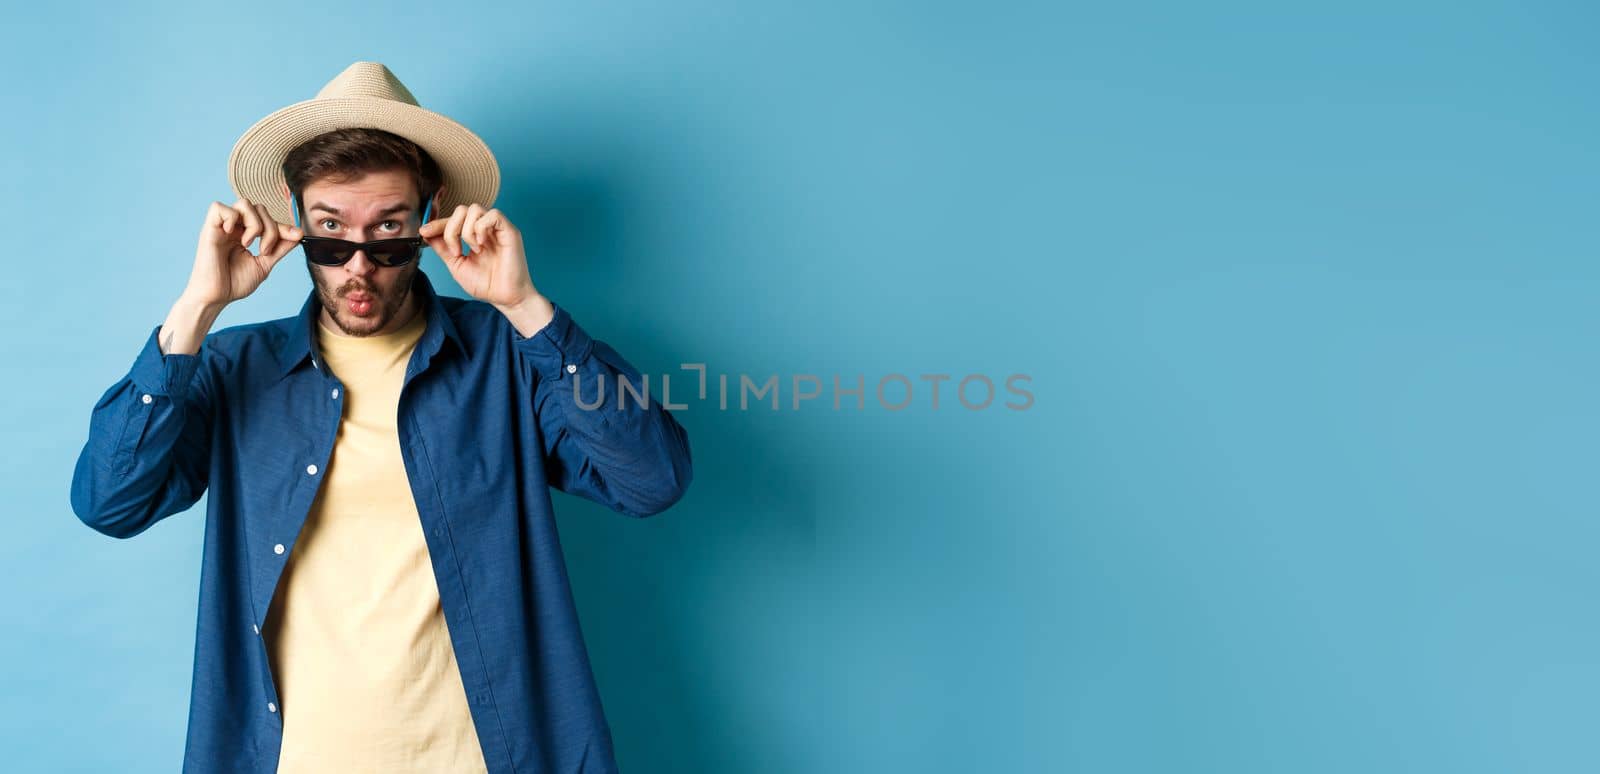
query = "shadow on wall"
{"x": 658, "y": 642}
{"x": 719, "y": 642}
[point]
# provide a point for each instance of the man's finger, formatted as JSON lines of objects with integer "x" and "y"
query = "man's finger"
{"x": 223, "y": 218}
{"x": 273, "y": 258}
{"x": 430, "y": 232}
{"x": 480, "y": 229}
{"x": 288, "y": 238}
{"x": 490, "y": 222}
{"x": 269, "y": 229}
{"x": 441, "y": 248}
{"x": 469, "y": 227}
{"x": 452, "y": 231}
{"x": 252, "y": 221}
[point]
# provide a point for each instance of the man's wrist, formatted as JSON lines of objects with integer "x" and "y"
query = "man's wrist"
{"x": 530, "y": 315}
{"x": 199, "y": 308}
{"x": 186, "y": 326}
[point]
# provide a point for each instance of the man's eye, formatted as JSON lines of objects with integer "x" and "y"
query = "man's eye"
{"x": 327, "y": 221}
{"x": 392, "y": 224}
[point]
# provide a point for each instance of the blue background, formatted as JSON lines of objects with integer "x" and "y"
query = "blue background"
{"x": 1306, "y": 296}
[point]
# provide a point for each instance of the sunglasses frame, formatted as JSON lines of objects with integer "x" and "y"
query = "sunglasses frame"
{"x": 316, "y": 247}
{"x": 377, "y": 250}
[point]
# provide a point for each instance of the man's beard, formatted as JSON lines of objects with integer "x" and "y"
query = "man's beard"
{"x": 385, "y": 307}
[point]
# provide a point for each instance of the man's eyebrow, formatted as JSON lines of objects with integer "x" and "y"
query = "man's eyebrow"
{"x": 390, "y": 210}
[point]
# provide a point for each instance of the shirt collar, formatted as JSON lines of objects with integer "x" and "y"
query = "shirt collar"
{"x": 301, "y": 342}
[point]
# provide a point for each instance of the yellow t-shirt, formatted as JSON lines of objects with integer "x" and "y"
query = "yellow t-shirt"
{"x": 366, "y": 674}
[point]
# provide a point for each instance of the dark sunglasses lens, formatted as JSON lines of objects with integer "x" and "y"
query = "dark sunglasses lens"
{"x": 395, "y": 252}
{"x": 328, "y": 254}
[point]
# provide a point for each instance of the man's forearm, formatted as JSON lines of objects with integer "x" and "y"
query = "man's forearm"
{"x": 186, "y": 326}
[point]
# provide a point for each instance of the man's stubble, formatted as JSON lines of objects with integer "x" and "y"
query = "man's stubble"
{"x": 332, "y": 299}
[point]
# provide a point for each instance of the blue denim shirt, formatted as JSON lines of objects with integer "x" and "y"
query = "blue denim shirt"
{"x": 488, "y": 420}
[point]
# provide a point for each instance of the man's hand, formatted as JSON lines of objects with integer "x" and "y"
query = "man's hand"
{"x": 224, "y": 268}
{"x": 496, "y": 271}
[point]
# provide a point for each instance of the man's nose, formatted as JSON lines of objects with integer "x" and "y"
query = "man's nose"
{"x": 361, "y": 264}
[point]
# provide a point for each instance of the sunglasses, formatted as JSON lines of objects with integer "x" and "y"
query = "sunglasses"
{"x": 327, "y": 251}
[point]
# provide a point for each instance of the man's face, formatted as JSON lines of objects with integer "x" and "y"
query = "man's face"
{"x": 362, "y": 298}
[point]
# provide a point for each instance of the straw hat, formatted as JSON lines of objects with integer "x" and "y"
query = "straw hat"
{"x": 366, "y": 94}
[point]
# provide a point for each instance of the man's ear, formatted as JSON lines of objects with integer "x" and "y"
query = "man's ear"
{"x": 433, "y": 211}
{"x": 288, "y": 198}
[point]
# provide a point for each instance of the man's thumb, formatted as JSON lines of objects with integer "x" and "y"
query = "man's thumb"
{"x": 288, "y": 238}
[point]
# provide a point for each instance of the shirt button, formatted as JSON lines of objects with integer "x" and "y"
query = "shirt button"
{"x": 257, "y": 629}
{"x": 336, "y": 393}
{"x": 311, "y": 470}
{"x": 147, "y": 398}
{"x": 277, "y": 549}
{"x": 272, "y": 707}
{"x": 571, "y": 368}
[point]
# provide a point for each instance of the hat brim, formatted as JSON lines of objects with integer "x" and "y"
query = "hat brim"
{"x": 255, "y": 167}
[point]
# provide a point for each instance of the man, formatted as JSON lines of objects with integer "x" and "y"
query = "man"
{"x": 382, "y": 586}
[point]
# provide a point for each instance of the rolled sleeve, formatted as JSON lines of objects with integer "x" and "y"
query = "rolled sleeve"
{"x": 162, "y": 375}
{"x": 558, "y": 349}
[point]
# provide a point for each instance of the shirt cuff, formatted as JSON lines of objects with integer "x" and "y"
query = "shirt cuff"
{"x": 156, "y": 373}
{"x": 557, "y": 349}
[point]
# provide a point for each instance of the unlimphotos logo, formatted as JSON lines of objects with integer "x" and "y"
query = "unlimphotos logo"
{"x": 894, "y": 391}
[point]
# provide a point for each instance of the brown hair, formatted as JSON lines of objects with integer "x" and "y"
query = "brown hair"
{"x": 346, "y": 154}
